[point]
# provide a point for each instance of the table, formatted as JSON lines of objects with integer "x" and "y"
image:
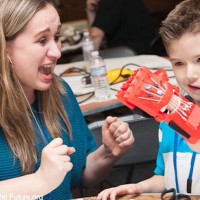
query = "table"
{"x": 93, "y": 106}
{"x": 147, "y": 196}
{"x": 152, "y": 197}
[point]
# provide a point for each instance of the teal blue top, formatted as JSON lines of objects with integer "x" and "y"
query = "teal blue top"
{"x": 82, "y": 141}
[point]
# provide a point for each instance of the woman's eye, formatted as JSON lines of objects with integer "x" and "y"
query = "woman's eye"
{"x": 57, "y": 38}
{"x": 42, "y": 41}
{"x": 198, "y": 59}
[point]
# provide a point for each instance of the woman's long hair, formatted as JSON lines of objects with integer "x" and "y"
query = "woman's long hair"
{"x": 15, "y": 116}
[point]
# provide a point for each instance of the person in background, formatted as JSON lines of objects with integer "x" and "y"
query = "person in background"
{"x": 46, "y": 148}
{"x": 120, "y": 23}
{"x": 177, "y": 161}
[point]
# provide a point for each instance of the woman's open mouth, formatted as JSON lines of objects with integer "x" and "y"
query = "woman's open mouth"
{"x": 46, "y": 70}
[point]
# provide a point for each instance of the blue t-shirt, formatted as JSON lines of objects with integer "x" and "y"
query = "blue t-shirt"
{"x": 82, "y": 141}
{"x": 165, "y": 163}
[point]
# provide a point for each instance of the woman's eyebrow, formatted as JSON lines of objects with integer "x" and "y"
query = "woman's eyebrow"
{"x": 47, "y": 30}
{"x": 42, "y": 32}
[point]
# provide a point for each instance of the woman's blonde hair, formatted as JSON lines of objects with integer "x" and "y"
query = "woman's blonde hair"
{"x": 184, "y": 18}
{"x": 15, "y": 117}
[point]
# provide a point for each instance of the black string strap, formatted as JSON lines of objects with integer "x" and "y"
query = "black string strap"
{"x": 171, "y": 195}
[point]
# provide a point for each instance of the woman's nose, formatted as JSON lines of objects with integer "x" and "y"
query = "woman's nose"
{"x": 54, "y": 50}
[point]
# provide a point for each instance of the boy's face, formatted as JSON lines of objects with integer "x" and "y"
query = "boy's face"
{"x": 184, "y": 54}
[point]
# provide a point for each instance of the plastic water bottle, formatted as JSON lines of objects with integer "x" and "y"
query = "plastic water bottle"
{"x": 99, "y": 76}
{"x": 87, "y": 46}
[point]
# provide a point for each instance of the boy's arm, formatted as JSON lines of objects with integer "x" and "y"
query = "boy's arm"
{"x": 154, "y": 184}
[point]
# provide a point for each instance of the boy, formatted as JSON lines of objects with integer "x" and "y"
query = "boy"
{"x": 177, "y": 164}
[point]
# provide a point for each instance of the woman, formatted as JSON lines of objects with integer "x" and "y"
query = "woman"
{"x": 46, "y": 147}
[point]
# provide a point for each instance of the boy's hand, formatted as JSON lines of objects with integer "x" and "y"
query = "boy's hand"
{"x": 112, "y": 193}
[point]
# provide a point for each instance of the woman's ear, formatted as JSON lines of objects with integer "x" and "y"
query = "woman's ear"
{"x": 9, "y": 60}
{"x": 9, "y": 57}
{"x": 8, "y": 51}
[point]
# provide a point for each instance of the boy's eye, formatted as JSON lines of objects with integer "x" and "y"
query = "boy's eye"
{"x": 178, "y": 64}
{"x": 42, "y": 41}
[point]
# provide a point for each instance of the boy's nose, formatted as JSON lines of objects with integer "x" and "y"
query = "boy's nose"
{"x": 192, "y": 74}
{"x": 193, "y": 78}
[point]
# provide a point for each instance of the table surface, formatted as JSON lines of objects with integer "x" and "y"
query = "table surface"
{"x": 92, "y": 106}
{"x": 147, "y": 196}
{"x": 152, "y": 197}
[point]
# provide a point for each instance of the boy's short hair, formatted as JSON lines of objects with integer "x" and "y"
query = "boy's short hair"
{"x": 185, "y": 17}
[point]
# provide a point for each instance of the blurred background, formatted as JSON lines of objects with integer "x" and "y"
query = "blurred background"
{"x": 71, "y": 10}
{"x": 74, "y": 20}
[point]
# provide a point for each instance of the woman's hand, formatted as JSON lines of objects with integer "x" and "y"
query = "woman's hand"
{"x": 111, "y": 193}
{"x": 116, "y": 136}
{"x": 55, "y": 164}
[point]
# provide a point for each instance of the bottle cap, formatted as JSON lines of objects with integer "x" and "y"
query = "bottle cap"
{"x": 86, "y": 33}
{"x": 94, "y": 53}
